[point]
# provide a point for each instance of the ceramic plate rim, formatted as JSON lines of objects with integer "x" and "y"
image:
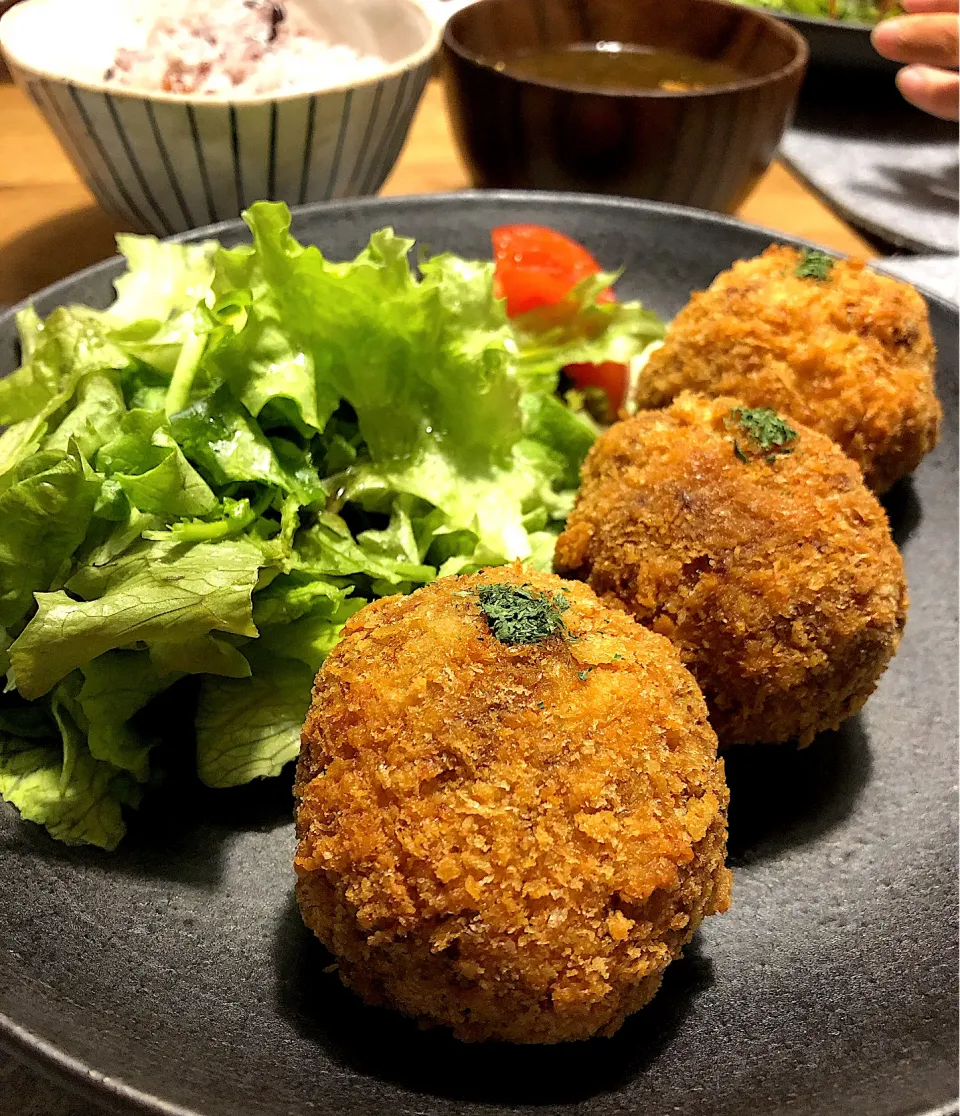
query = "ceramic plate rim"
{"x": 541, "y": 197}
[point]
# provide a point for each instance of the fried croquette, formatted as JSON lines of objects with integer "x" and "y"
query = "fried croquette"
{"x": 837, "y": 347}
{"x": 511, "y": 836}
{"x": 753, "y": 545}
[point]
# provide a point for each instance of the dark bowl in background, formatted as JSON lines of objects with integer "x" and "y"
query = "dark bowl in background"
{"x": 835, "y": 45}
{"x": 705, "y": 148}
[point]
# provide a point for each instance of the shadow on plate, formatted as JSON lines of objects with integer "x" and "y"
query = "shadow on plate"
{"x": 382, "y": 1044}
{"x": 181, "y": 834}
{"x": 183, "y": 829}
{"x": 903, "y": 509}
{"x": 782, "y": 796}
{"x": 53, "y": 249}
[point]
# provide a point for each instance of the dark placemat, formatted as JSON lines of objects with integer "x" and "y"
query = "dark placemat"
{"x": 881, "y": 164}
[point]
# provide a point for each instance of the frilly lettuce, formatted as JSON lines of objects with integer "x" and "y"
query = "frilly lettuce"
{"x": 211, "y": 476}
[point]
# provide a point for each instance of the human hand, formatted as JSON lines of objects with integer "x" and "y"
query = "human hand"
{"x": 927, "y": 37}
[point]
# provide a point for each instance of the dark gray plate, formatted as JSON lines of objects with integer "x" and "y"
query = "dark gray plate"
{"x": 175, "y": 975}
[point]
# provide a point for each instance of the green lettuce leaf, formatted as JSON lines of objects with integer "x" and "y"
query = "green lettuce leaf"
{"x": 44, "y": 516}
{"x": 250, "y": 729}
{"x": 268, "y": 371}
{"x": 292, "y": 595}
{"x": 146, "y": 462}
{"x": 162, "y": 280}
{"x": 393, "y": 348}
{"x": 154, "y": 592}
{"x": 852, "y": 11}
{"x": 559, "y": 436}
{"x": 95, "y": 419}
{"x": 328, "y": 549}
{"x": 18, "y": 442}
{"x": 116, "y": 686}
{"x": 87, "y": 809}
{"x": 591, "y": 333}
{"x": 225, "y": 443}
{"x": 57, "y": 783}
{"x": 200, "y": 655}
{"x": 38, "y": 380}
{"x": 265, "y": 363}
{"x": 309, "y": 638}
{"x": 70, "y": 344}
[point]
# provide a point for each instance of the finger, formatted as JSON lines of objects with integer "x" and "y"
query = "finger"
{"x": 931, "y": 40}
{"x": 934, "y": 91}
{"x": 918, "y": 7}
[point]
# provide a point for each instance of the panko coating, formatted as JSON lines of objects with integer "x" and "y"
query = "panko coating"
{"x": 850, "y": 355}
{"x": 772, "y": 570}
{"x": 513, "y": 840}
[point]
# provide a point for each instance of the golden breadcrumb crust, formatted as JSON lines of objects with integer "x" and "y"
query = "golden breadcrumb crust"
{"x": 513, "y": 841}
{"x": 851, "y": 356}
{"x": 778, "y": 580}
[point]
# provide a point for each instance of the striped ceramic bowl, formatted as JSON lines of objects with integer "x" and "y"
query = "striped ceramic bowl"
{"x": 166, "y": 162}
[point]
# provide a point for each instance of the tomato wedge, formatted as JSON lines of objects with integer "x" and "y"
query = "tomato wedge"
{"x": 610, "y": 376}
{"x": 536, "y": 267}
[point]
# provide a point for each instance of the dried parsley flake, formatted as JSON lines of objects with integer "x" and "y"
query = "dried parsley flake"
{"x": 517, "y": 614}
{"x": 765, "y": 433}
{"x": 815, "y": 265}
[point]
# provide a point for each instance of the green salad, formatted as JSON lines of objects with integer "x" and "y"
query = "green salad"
{"x": 847, "y": 11}
{"x": 201, "y": 484}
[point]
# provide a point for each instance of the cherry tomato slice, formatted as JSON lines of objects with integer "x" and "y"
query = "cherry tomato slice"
{"x": 536, "y": 267}
{"x": 609, "y": 376}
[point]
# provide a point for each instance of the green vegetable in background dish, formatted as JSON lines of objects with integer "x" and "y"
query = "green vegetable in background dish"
{"x": 210, "y": 477}
{"x": 846, "y": 11}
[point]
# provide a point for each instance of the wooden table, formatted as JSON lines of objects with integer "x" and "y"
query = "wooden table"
{"x": 50, "y": 224}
